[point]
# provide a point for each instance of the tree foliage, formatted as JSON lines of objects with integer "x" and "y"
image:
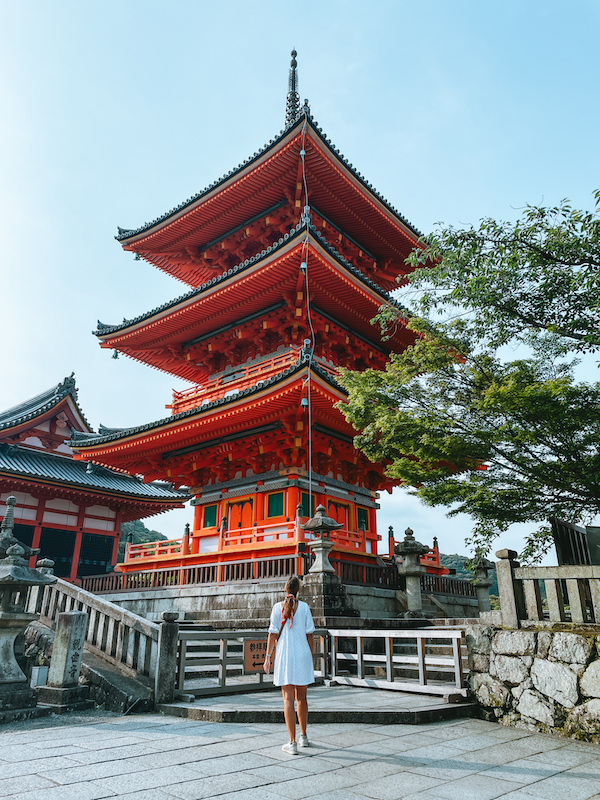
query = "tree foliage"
{"x": 140, "y": 535}
{"x": 459, "y": 418}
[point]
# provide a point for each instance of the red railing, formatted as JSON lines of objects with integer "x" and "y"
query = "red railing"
{"x": 241, "y": 379}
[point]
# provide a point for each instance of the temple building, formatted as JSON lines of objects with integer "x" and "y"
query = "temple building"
{"x": 287, "y": 259}
{"x": 71, "y": 510}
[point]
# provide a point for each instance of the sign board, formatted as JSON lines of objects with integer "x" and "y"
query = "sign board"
{"x": 255, "y": 651}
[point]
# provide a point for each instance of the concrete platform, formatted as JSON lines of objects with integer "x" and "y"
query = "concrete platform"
{"x": 327, "y": 705}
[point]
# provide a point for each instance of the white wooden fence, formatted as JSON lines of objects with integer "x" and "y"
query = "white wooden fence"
{"x": 427, "y": 660}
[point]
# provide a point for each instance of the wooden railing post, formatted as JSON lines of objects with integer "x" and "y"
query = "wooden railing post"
{"x": 166, "y": 662}
{"x": 512, "y": 602}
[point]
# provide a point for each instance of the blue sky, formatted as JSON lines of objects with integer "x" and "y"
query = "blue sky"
{"x": 114, "y": 112}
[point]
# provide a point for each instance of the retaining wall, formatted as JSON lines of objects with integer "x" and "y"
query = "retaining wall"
{"x": 242, "y": 605}
{"x": 538, "y": 679}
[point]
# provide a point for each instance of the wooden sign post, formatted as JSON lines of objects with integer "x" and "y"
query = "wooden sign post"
{"x": 255, "y": 651}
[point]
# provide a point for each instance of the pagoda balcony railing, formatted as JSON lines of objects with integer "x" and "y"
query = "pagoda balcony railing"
{"x": 241, "y": 537}
{"x": 272, "y": 568}
{"x": 237, "y": 381}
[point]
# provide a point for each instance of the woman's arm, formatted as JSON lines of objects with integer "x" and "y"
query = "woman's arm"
{"x": 311, "y": 642}
{"x": 271, "y": 643}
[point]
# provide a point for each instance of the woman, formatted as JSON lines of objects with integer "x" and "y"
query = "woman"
{"x": 291, "y": 629}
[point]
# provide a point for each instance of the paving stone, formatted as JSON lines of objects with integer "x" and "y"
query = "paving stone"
{"x": 393, "y": 787}
{"x": 565, "y": 785}
{"x": 164, "y": 777}
{"x": 30, "y": 766}
{"x": 474, "y": 786}
{"x": 233, "y": 763}
{"x": 447, "y": 770}
{"x": 524, "y": 771}
{"x": 213, "y": 786}
{"x": 23, "y": 783}
{"x": 567, "y": 757}
{"x": 88, "y": 791}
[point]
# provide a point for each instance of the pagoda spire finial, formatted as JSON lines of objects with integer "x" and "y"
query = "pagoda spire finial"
{"x": 292, "y": 105}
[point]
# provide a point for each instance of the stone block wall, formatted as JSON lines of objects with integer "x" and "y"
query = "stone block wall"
{"x": 547, "y": 680}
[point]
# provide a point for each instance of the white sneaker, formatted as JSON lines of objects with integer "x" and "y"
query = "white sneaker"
{"x": 291, "y": 748}
{"x": 303, "y": 740}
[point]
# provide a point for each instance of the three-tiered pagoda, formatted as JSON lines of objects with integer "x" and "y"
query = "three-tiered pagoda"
{"x": 288, "y": 258}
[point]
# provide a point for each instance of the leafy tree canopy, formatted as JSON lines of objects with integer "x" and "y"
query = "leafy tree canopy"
{"x": 140, "y": 534}
{"x": 459, "y": 418}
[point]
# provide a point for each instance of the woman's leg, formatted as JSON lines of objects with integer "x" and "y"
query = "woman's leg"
{"x": 288, "y": 710}
{"x": 302, "y": 707}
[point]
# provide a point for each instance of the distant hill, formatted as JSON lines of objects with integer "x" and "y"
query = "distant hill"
{"x": 454, "y": 561}
{"x": 140, "y": 533}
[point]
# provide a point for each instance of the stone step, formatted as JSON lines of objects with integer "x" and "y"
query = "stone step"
{"x": 326, "y": 705}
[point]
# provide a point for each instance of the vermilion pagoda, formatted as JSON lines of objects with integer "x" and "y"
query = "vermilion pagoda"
{"x": 288, "y": 257}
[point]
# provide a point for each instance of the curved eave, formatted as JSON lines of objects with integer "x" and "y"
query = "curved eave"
{"x": 148, "y": 236}
{"x": 20, "y": 463}
{"x": 109, "y": 335}
{"x": 161, "y": 429}
{"x": 41, "y": 408}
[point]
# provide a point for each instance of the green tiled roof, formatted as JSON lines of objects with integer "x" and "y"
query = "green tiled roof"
{"x": 26, "y": 463}
{"x": 38, "y": 405}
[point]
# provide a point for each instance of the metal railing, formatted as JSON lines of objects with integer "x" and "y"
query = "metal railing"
{"x": 444, "y": 584}
{"x": 218, "y": 658}
{"x": 428, "y": 661}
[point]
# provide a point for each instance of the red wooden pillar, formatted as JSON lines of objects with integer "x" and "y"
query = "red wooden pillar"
{"x": 115, "y": 550}
{"x": 78, "y": 538}
{"x": 37, "y": 531}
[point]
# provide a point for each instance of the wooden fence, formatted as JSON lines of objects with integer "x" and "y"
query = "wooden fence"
{"x": 426, "y": 660}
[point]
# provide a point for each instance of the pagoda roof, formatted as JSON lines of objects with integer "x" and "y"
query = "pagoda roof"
{"x": 43, "y": 467}
{"x": 41, "y": 405}
{"x": 82, "y": 441}
{"x": 260, "y": 181}
{"x": 104, "y": 330}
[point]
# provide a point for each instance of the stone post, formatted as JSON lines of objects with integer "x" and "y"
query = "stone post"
{"x": 482, "y": 583}
{"x": 512, "y": 601}
{"x": 411, "y": 551}
{"x": 63, "y": 691}
{"x": 166, "y": 662}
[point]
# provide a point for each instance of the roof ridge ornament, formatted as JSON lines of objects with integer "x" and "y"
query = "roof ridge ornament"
{"x": 292, "y": 105}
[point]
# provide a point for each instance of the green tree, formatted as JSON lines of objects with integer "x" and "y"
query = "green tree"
{"x": 458, "y": 417}
{"x": 140, "y": 534}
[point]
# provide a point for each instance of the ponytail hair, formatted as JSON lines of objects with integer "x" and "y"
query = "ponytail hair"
{"x": 292, "y": 587}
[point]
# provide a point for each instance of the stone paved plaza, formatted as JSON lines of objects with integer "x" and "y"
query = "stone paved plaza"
{"x": 155, "y": 757}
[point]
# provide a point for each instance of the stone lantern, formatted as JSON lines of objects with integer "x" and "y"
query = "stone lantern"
{"x": 411, "y": 551}
{"x": 482, "y": 583}
{"x": 323, "y": 589}
{"x": 321, "y": 526}
{"x": 16, "y": 579}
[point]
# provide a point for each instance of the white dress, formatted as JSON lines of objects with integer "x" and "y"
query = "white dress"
{"x": 293, "y": 659}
